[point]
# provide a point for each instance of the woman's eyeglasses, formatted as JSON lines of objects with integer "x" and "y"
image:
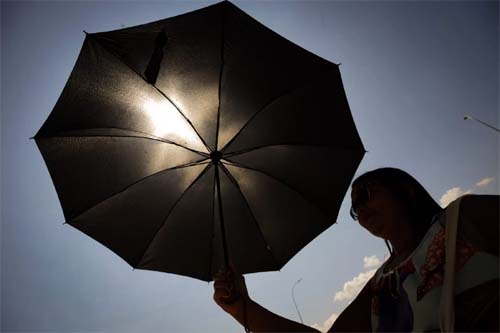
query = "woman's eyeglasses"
{"x": 363, "y": 195}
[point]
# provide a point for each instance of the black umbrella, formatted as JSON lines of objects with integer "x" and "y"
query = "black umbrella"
{"x": 201, "y": 140}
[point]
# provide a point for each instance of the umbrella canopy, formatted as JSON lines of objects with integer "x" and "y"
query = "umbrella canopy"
{"x": 200, "y": 140}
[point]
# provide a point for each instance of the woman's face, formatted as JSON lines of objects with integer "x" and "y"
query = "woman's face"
{"x": 379, "y": 210}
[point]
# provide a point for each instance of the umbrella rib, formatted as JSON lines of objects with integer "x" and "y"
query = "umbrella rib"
{"x": 281, "y": 182}
{"x": 271, "y": 101}
{"x": 246, "y": 150}
{"x": 158, "y": 90}
{"x": 186, "y": 165}
{"x": 171, "y": 210}
{"x": 228, "y": 174}
{"x": 65, "y": 134}
{"x": 220, "y": 77}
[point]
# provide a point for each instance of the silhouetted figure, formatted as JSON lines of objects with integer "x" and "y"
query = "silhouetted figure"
{"x": 404, "y": 294}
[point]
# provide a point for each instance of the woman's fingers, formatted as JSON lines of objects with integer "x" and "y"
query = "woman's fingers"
{"x": 228, "y": 281}
{"x": 221, "y": 296}
{"x": 222, "y": 285}
{"x": 230, "y": 292}
{"x": 225, "y": 285}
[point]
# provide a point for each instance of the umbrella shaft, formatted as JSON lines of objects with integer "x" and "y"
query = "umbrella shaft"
{"x": 221, "y": 216}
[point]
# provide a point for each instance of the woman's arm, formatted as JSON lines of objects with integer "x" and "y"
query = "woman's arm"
{"x": 262, "y": 320}
{"x": 247, "y": 312}
{"x": 355, "y": 318}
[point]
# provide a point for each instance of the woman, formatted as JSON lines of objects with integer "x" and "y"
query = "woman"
{"x": 404, "y": 293}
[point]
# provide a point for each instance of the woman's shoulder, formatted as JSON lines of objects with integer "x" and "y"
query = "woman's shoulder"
{"x": 477, "y": 220}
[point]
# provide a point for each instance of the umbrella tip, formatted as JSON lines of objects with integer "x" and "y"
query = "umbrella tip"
{"x": 85, "y": 32}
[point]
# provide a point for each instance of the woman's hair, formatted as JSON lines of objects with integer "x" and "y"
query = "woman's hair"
{"x": 397, "y": 181}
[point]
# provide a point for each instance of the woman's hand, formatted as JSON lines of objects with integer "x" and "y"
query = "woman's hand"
{"x": 231, "y": 294}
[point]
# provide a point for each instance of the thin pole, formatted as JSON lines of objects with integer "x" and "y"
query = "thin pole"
{"x": 466, "y": 117}
{"x": 293, "y": 297}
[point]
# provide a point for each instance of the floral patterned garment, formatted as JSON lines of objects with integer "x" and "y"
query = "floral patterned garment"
{"x": 407, "y": 298}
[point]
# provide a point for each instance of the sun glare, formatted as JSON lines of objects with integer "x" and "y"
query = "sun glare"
{"x": 170, "y": 124}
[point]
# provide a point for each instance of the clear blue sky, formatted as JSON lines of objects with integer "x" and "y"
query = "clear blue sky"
{"x": 411, "y": 70}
